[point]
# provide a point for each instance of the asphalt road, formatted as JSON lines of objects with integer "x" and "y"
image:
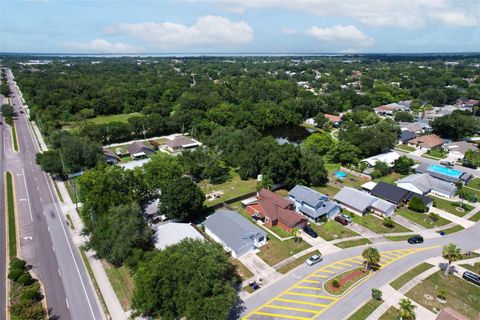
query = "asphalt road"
{"x": 46, "y": 243}
{"x": 3, "y": 235}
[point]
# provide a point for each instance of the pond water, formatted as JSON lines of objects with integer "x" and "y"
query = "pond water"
{"x": 288, "y": 134}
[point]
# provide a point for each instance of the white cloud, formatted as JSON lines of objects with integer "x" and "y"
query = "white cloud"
{"x": 102, "y": 46}
{"x": 288, "y": 31}
{"x": 342, "y": 35}
{"x": 208, "y": 31}
{"x": 458, "y": 18}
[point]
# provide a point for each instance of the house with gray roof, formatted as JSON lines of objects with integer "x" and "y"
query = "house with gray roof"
{"x": 443, "y": 173}
{"x": 236, "y": 234}
{"x": 424, "y": 184}
{"x": 457, "y": 149}
{"x": 360, "y": 202}
{"x": 139, "y": 150}
{"x": 312, "y": 204}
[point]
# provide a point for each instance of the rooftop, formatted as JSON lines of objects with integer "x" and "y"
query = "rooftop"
{"x": 171, "y": 233}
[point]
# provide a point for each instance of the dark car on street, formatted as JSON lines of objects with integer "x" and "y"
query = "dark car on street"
{"x": 310, "y": 232}
{"x": 471, "y": 277}
{"x": 415, "y": 239}
{"x": 341, "y": 219}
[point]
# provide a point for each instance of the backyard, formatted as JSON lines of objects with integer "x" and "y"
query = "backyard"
{"x": 275, "y": 250}
{"x": 462, "y": 296}
{"x": 332, "y": 230}
{"x": 375, "y": 224}
{"x": 422, "y": 218}
{"x": 390, "y": 178}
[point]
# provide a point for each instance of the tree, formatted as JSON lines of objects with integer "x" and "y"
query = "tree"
{"x": 472, "y": 159}
{"x": 7, "y": 112}
{"x": 403, "y": 165}
{"x": 181, "y": 198}
{"x": 380, "y": 169}
{"x": 406, "y": 310}
{"x": 403, "y": 116}
{"x": 388, "y": 222}
{"x": 377, "y": 294}
{"x": 320, "y": 120}
{"x": 119, "y": 232}
{"x": 320, "y": 143}
{"x": 160, "y": 169}
{"x": 192, "y": 279}
{"x": 416, "y": 204}
{"x": 451, "y": 253}
{"x": 456, "y": 126}
{"x": 442, "y": 294}
{"x": 345, "y": 153}
{"x": 465, "y": 194}
{"x": 50, "y": 162}
{"x": 371, "y": 256}
{"x": 313, "y": 168}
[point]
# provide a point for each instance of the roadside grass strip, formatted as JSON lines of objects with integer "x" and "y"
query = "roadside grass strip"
{"x": 307, "y": 299}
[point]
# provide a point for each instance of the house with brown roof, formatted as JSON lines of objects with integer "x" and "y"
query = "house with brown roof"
{"x": 276, "y": 211}
{"x": 180, "y": 143}
{"x": 429, "y": 141}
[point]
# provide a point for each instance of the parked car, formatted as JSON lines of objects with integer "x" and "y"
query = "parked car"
{"x": 471, "y": 277}
{"x": 415, "y": 239}
{"x": 341, "y": 220}
{"x": 347, "y": 217}
{"x": 310, "y": 232}
{"x": 316, "y": 258}
{"x": 447, "y": 163}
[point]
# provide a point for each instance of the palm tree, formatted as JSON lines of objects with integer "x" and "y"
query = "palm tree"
{"x": 452, "y": 253}
{"x": 371, "y": 256}
{"x": 406, "y": 310}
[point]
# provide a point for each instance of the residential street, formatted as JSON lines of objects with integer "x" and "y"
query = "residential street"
{"x": 44, "y": 237}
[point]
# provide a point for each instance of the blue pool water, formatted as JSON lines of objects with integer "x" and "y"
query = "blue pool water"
{"x": 340, "y": 175}
{"x": 445, "y": 171}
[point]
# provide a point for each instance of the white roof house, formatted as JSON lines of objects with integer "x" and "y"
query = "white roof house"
{"x": 171, "y": 233}
{"x": 360, "y": 202}
{"x": 423, "y": 183}
{"x": 388, "y": 157}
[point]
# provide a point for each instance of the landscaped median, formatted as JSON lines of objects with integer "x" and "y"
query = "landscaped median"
{"x": 341, "y": 283}
{"x": 14, "y": 138}
{"x": 12, "y": 234}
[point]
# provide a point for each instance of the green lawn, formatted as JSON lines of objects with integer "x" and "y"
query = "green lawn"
{"x": 376, "y": 224}
{"x": 438, "y": 153}
{"x": 390, "y": 314}
{"x": 451, "y": 206}
{"x": 475, "y": 268}
{"x": 232, "y": 188}
{"x": 475, "y": 217}
{"x": 275, "y": 250}
{"x": 242, "y": 271}
{"x": 398, "y": 238}
{"x": 292, "y": 265}
{"x": 366, "y": 310}
{"x": 328, "y": 190}
{"x": 422, "y": 218}
{"x": 332, "y": 167}
{"x": 280, "y": 232}
{"x": 390, "y": 178}
{"x": 474, "y": 183}
{"x": 12, "y": 234}
{"x": 349, "y": 181}
{"x": 94, "y": 281}
{"x": 122, "y": 283}
{"x": 332, "y": 230}
{"x": 406, "y": 277}
{"x": 113, "y": 118}
{"x": 453, "y": 229}
{"x": 461, "y": 295}
{"x": 353, "y": 243}
{"x": 405, "y": 147}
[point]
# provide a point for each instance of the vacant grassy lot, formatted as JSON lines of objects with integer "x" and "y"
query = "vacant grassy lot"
{"x": 232, "y": 188}
{"x": 453, "y": 229}
{"x": 461, "y": 295}
{"x": 275, "y": 250}
{"x": 353, "y": 243}
{"x": 113, "y": 118}
{"x": 332, "y": 230}
{"x": 451, "y": 206}
{"x": 122, "y": 283}
{"x": 422, "y": 218}
{"x": 292, "y": 265}
{"x": 243, "y": 271}
{"x": 390, "y": 178}
{"x": 376, "y": 224}
{"x": 390, "y": 314}
{"x": 366, "y": 310}
{"x": 404, "y": 278}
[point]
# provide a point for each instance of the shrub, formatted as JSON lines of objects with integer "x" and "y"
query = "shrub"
{"x": 442, "y": 294}
{"x": 416, "y": 204}
{"x": 434, "y": 216}
{"x": 376, "y": 294}
{"x": 335, "y": 283}
{"x": 16, "y": 263}
{"x": 25, "y": 279}
{"x": 388, "y": 222}
{"x": 14, "y": 274}
{"x": 32, "y": 294}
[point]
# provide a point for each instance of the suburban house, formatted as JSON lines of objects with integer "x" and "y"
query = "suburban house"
{"x": 171, "y": 233}
{"x": 181, "y": 143}
{"x": 429, "y": 141}
{"x": 236, "y": 234}
{"x": 456, "y": 150}
{"x": 110, "y": 156}
{"x": 396, "y": 195}
{"x": 390, "y": 109}
{"x": 388, "y": 157}
{"x": 405, "y": 136}
{"x": 444, "y": 173}
{"x": 424, "y": 184}
{"x": 415, "y": 127}
{"x": 335, "y": 120}
{"x": 467, "y": 103}
{"x": 312, "y": 204}
{"x": 360, "y": 202}
{"x": 276, "y": 210}
{"x": 138, "y": 150}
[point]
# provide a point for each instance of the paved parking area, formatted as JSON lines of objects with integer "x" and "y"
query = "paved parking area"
{"x": 307, "y": 299}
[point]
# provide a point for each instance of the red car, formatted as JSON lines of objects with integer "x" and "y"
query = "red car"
{"x": 341, "y": 220}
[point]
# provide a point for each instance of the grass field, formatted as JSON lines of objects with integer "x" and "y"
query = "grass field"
{"x": 122, "y": 283}
{"x": 453, "y": 229}
{"x": 12, "y": 234}
{"x": 366, "y": 310}
{"x": 451, "y": 206}
{"x": 376, "y": 224}
{"x": 475, "y": 268}
{"x": 404, "y": 278}
{"x": 292, "y": 265}
{"x": 328, "y": 190}
{"x": 231, "y": 189}
{"x": 405, "y": 148}
{"x": 242, "y": 271}
{"x": 353, "y": 243}
{"x": 461, "y": 295}
{"x": 275, "y": 250}
{"x": 390, "y": 178}
{"x": 332, "y": 230}
{"x": 474, "y": 183}
{"x": 475, "y": 217}
{"x": 113, "y": 118}
{"x": 422, "y": 218}
{"x": 390, "y": 314}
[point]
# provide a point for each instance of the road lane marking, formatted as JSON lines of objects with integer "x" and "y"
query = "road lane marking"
{"x": 318, "y": 276}
{"x": 53, "y": 248}
{"x": 291, "y": 308}
{"x": 326, "y": 271}
{"x": 311, "y": 295}
{"x": 269, "y": 314}
{"x": 66, "y": 301}
{"x": 311, "y": 281}
{"x": 335, "y": 267}
{"x": 301, "y": 302}
{"x": 59, "y": 272}
{"x": 310, "y": 288}
{"x": 28, "y": 197}
{"x": 344, "y": 264}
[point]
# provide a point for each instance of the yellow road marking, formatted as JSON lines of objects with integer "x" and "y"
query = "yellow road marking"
{"x": 310, "y": 295}
{"x": 326, "y": 271}
{"x": 311, "y": 281}
{"x": 335, "y": 267}
{"x": 291, "y": 308}
{"x": 302, "y": 302}
{"x": 345, "y": 264}
{"x": 307, "y": 287}
{"x": 318, "y": 276}
{"x": 286, "y": 316}
{"x": 355, "y": 261}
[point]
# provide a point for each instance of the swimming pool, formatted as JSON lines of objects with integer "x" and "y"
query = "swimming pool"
{"x": 340, "y": 175}
{"x": 445, "y": 171}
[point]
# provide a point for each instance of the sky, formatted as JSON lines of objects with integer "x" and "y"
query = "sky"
{"x": 239, "y": 26}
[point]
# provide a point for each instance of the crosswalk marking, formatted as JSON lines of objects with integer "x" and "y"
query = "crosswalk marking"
{"x": 310, "y": 295}
{"x": 326, "y": 271}
{"x": 311, "y": 281}
{"x": 286, "y": 316}
{"x": 335, "y": 267}
{"x": 291, "y": 308}
{"x": 301, "y": 302}
{"x": 307, "y": 287}
{"x": 318, "y": 276}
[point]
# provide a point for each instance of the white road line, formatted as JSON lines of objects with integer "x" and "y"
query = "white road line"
{"x": 66, "y": 301}
{"x": 28, "y": 197}
{"x": 59, "y": 272}
{"x": 53, "y": 248}
{"x": 48, "y": 228}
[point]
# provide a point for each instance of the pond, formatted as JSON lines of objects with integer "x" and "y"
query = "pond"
{"x": 288, "y": 134}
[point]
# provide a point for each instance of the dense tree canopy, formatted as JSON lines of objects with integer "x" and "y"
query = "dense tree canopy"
{"x": 456, "y": 126}
{"x": 181, "y": 198}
